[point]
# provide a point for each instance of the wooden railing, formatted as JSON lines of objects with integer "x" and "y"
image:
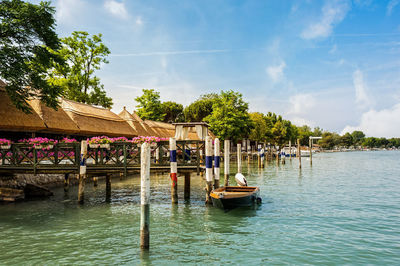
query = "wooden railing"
{"x": 118, "y": 156}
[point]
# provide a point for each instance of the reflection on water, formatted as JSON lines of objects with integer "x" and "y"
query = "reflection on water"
{"x": 345, "y": 209}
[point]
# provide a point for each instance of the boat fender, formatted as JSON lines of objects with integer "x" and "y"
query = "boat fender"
{"x": 241, "y": 180}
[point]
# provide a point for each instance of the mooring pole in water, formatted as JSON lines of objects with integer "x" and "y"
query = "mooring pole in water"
{"x": 209, "y": 172}
{"x": 262, "y": 155}
{"x": 259, "y": 155}
{"x": 310, "y": 143}
{"x": 108, "y": 187}
{"x": 239, "y": 157}
{"x": 66, "y": 182}
{"x": 186, "y": 192}
{"x": 299, "y": 152}
{"x": 283, "y": 156}
{"x": 217, "y": 159}
{"x": 82, "y": 172}
{"x": 290, "y": 150}
{"x": 174, "y": 171}
{"x": 145, "y": 196}
{"x": 227, "y": 149}
{"x": 95, "y": 181}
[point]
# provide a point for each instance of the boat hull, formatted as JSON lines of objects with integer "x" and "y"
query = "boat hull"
{"x": 230, "y": 201}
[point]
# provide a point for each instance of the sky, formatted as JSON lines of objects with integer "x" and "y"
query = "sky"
{"x": 332, "y": 64}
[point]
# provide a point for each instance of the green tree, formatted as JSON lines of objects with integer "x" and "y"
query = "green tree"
{"x": 329, "y": 140}
{"x": 358, "y": 137}
{"x": 150, "y": 106}
{"x": 84, "y": 55}
{"x": 369, "y": 142}
{"x": 26, "y": 31}
{"x": 201, "y": 108}
{"x": 173, "y": 112}
{"x": 346, "y": 140}
{"x": 259, "y": 131}
{"x": 230, "y": 118}
{"x": 304, "y": 133}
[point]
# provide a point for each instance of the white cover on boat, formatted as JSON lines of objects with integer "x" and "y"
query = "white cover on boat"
{"x": 241, "y": 180}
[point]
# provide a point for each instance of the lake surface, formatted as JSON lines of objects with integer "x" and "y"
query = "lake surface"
{"x": 345, "y": 209}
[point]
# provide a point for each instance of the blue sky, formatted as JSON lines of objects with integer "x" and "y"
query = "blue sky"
{"x": 333, "y": 64}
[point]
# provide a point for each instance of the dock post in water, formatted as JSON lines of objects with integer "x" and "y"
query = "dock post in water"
{"x": 299, "y": 152}
{"x": 66, "y": 182}
{"x": 217, "y": 160}
{"x": 145, "y": 196}
{"x": 108, "y": 187}
{"x": 290, "y": 150}
{"x": 227, "y": 149}
{"x": 95, "y": 181}
{"x": 259, "y": 155}
{"x": 310, "y": 143}
{"x": 239, "y": 157}
{"x": 186, "y": 192}
{"x": 262, "y": 155}
{"x": 209, "y": 173}
{"x": 82, "y": 172}
{"x": 174, "y": 171}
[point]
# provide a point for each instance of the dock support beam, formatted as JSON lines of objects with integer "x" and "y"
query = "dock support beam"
{"x": 217, "y": 160}
{"x": 145, "y": 197}
{"x": 239, "y": 157}
{"x": 108, "y": 187}
{"x": 227, "y": 149}
{"x": 95, "y": 179}
{"x": 209, "y": 172}
{"x": 174, "y": 171}
{"x": 299, "y": 152}
{"x": 82, "y": 172}
{"x": 186, "y": 194}
{"x": 66, "y": 182}
{"x": 310, "y": 142}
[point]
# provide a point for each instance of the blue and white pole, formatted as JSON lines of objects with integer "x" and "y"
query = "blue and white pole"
{"x": 82, "y": 172}
{"x": 217, "y": 159}
{"x": 174, "y": 170}
{"x": 209, "y": 172}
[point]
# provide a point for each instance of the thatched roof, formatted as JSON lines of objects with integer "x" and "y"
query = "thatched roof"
{"x": 12, "y": 119}
{"x": 136, "y": 123}
{"x": 55, "y": 120}
{"x": 93, "y": 120}
{"x": 161, "y": 129}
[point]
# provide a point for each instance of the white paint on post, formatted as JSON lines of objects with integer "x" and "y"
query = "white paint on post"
{"x": 227, "y": 149}
{"x": 209, "y": 153}
{"x": 216, "y": 160}
{"x": 239, "y": 157}
{"x": 145, "y": 196}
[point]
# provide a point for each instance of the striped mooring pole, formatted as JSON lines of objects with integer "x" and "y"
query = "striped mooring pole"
{"x": 174, "y": 170}
{"x": 209, "y": 173}
{"x": 217, "y": 159}
{"x": 82, "y": 172}
{"x": 227, "y": 149}
{"x": 145, "y": 196}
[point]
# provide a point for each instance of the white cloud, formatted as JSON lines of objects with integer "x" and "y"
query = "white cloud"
{"x": 116, "y": 8}
{"x": 139, "y": 21}
{"x": 301, "y": 105}
{"x": 333, "y": 49}
{"x": 67, "y": 11}
{"x": 383, "y": 123}
{"x": 391, "y": 5}
{"x": 276, "y": 72}
{"x": 332, "y": 13}
{"x": 362, "y": 99}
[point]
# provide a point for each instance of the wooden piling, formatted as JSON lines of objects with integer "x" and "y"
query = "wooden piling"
{"x": 259, "y": 155}
{"x": 95, "y": 181}
{"x": 108, "y": 187}
{"x": 227, "y": 148}
{"x": 145, "y": 196}
{"x": 290, "y": 150}
{"x": 239, "y": 157}
{"x": 209, "y": 173}
{"x": 174, "y": 171}
{"x": 299, "y": 152}
{"x": 186, "y": 194}
{"x": 82, "y": 172}
{"x": 66, "y": 182}
{"x": 217, "y": 159}
{"x": 310, "y": 144}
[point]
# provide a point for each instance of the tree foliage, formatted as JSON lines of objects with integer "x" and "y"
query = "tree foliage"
{"x": 84, "y": 55}
{"x": 26, "y": 31}
{"x": 201, "y": 108}
{"x": 149, "y": 106}
{"x": 229, "y": 118}
{"x": 173, "y": 112}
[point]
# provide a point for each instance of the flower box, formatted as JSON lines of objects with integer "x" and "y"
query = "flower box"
{"x": 5, "y": 147}
{"x": 44, "y": 146}
{"x": 94, "y": 145}
{"x": 105, "y": 146}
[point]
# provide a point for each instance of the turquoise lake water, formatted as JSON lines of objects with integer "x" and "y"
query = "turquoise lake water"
{"x": 345, "y": 209}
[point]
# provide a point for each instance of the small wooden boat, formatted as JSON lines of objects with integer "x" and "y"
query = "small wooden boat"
{"x": 232, "y": 197}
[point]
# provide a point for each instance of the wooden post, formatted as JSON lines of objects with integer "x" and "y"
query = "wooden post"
{"x": 95, "y": 181}
{"x": 299, "y": 152}
{"x": 217, "y": 160}
{"x": 259, "y": 155}
{"x": 283, "y": 156}
{"x": 108, "y": 187}
{"x": 262, "y": 155}
{"x": 239, "y": 157}
{"x": 145, "y": 196}
{"x": 227, "y": 148}
{"x": 157, "y": 155}
{"x": 310, "y": 143}
{"x": 186, "y": 194}
{"x": 82, "y": 172}
{"x": 290, "y": 149}
{"x": 209, "y": 173}
{"x": 174, "y": 171}
{"x": 66, "y": 182}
